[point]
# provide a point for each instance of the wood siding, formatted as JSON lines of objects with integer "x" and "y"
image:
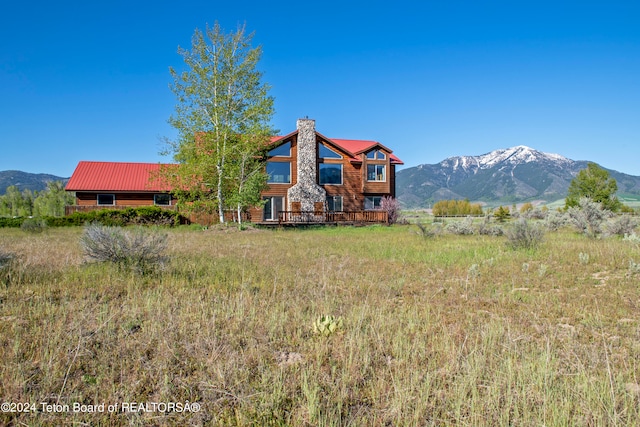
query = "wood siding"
{"x": 121, "y": 199}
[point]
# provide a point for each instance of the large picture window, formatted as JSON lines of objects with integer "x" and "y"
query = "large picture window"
{"x": 330, "y": 173}
{"x": 106, "y": 199}
{"x": 279, "y": 172}
{"x": 376, "y": 173}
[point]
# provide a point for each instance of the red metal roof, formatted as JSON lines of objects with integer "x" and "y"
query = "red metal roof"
{"x": 116, "y": 176}
{"x": 351, "y": 146}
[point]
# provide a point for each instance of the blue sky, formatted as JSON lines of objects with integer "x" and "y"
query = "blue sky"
{"x": 88, "y": 80}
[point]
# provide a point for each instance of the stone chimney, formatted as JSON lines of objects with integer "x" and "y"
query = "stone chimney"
{"x": 306, "y": 194}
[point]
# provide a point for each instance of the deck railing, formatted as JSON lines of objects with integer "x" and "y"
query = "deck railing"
{"x": 311, "y": 217}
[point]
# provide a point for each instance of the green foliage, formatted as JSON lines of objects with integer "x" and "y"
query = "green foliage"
{"x": 148, "y": 215}
{"x": 327, "y": 325}
{"x": 596, "y": 184}
{"x": 50, "y": 202}
{"x": 33, "y": 225}
{"x": 222, "y": 118}
{"x": 502, "y": 214}
{"x": 456, "y": 207}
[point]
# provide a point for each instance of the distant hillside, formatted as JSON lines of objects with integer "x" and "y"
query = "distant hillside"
{"x": 506, "y": 176}
{"x": 26, "y": 181}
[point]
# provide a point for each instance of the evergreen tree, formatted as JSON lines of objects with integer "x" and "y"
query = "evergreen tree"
{"x": 595, "y": 184}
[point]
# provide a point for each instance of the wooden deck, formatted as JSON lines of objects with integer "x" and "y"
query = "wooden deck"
{"x": 285, "y": 218}
{"x": 301, "y": 218}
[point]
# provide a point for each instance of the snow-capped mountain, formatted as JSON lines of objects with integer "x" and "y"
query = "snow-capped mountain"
{"x": 507, "y": 175}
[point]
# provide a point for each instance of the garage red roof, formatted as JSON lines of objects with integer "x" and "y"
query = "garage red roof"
{"x": 112, "y": 176}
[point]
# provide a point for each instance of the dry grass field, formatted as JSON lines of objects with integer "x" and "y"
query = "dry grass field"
{"x": 449, "y": 330}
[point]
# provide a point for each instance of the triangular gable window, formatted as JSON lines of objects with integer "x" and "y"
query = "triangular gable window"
{"x": 283, "y": 150}
{"x": 327, "y": 153}
{"x": 376, "y": 155}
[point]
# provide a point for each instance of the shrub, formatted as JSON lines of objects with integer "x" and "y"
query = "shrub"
{"x": 488, "y": 229}
{"x": 621, "y": 225}
{"x": 502, "y": 214}
{"x": 392, "y": 207}
{"x": 524, "y": 235}
{"x": 33, "y": 225}
{"x": 139, "y": 249}
{"x": 428, "y": 232}
{"x": 555, "y": 220}
{"x": 464, "y": 227}
{"x": 588, "y": 217}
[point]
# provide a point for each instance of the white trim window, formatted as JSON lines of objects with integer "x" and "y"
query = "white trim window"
{"x": 376, "y": 172}
{"x": 106, "y": 199}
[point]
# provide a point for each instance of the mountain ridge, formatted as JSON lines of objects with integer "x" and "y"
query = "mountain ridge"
{"x": 506, "y": 175}
{"x": 26, "y": 181}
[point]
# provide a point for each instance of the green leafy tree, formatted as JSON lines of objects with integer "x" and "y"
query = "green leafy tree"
{"x": 51, "y": 202}
{"x": 595, "y": 184}
{"x": 16, "y": 203}
{"x": 222, "y": 118}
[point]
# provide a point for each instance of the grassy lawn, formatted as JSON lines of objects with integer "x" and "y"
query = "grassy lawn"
{"x": 451, "y": 330}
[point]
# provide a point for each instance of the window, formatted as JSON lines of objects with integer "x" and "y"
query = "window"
{"x": 107, "y": 199}
{"x": 283, "y": 150}
{"x": 330, "y": 173}
{"x": 327, "y": 153}
{"x": 372, "y": 202}
{"x": 162, "y": 199}
{"x": 334, "y": 203}
{"x": 376, "y": 173}
{"x": 376, "y": 155}
{"x": 279, "y": 172}
{"x": 272, "y": 208}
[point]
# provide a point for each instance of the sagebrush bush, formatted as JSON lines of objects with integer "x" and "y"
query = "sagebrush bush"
{"x": 588, "y": 217}
{"x": 555, "y": 220}
{"x": 524, "y": 234}
{"x": 428, "y": 232}
{"x": 138, "y": 248}
{"x": 621, "y": 225}
{"x": 488, "y": 229}
{"x": 464, "y": 227}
